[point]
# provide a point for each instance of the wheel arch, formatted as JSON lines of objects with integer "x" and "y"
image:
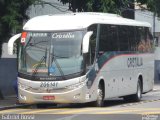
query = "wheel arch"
{"x": 102, "y": 83}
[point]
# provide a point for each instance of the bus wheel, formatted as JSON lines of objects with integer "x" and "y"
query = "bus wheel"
{"x": 100, "y": 96}
{"x": 137, "y": 97}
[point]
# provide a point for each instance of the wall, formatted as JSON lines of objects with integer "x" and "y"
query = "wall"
{"x": 8, "y": 72}
{"x": 55, "y": 8}
{"x": 147, "y": 17}
{"x": 157, "y": 65}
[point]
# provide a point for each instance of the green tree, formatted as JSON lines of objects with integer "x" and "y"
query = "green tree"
{"x": 111, "y": 6}
{"x": 12, "y": 15}
{"x": 152, "y": 5}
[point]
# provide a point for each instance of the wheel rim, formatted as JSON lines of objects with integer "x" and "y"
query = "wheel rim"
{"x": 100, "y": 97}
{"x": 139, "y": 95}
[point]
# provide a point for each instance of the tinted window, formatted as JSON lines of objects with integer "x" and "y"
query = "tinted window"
{"x": 132, "y": 38}
{"x": 144, "y": 39}
{"x": 124, "y": 43}
{"x": 108, "y": 40}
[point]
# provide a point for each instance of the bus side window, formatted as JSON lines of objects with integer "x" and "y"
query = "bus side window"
{"x": 132, "y": 38}
{"x": 149, "y": 40}
{"x": 92, "y": 45}
{"x": 145, "y": 41}
{"x": 108, "y": 40}
{"x": 139, "y": 44}
{"x": 124, "y": 43}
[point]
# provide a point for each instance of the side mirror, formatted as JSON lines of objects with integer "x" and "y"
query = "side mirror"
{"x": 86, "y": 41}
{"x": 11, "y": 43}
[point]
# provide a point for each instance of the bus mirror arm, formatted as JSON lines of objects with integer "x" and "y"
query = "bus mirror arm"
{"x": 11, "y": 43}
{"x": 86, "y": 41}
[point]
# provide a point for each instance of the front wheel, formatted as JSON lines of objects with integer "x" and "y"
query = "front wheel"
{"x": 100, "y": 97}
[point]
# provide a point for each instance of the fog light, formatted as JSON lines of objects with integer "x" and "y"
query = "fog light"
{"x": 87, "y": 96}
{"x": 77, "y": 96}
{"x": 23, "y": 97}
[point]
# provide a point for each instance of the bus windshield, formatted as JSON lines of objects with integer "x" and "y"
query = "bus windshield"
{"x": 51, "y": 53}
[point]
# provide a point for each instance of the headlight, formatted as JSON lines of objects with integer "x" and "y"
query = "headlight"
{"x": 24, "y": 87}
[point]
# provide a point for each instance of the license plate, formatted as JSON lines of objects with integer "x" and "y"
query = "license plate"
{"x": 48, "y": 97}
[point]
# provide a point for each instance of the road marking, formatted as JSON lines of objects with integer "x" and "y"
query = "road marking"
{"x": 10, "y": 111}
{"x": 42, "y": 110}
{"x": 142, "y": 102}
{"x": 81, "y": 111}
{"x": 135, "y": 110}
{"x": 150, "y": 113}
{"x": 91, "y": 111}
{"x": 116, "y": 112}
{"x": 141, "y": 111}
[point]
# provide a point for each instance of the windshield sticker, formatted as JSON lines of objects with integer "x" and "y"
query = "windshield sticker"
{"x": 52, "y": 69}
{"x": 23, "y": 37}
{"x": 37, "y": 34}
{"x": 63, "y": 35}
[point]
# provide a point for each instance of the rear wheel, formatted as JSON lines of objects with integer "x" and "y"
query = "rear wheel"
{"x": 137, "y": 97}
{"x": 100, "y": 96}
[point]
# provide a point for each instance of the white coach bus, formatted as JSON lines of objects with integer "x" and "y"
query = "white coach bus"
{"x": 83, "y": 57}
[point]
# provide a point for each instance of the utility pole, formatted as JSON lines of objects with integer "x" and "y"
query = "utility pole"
{"x": 154, "y": 24}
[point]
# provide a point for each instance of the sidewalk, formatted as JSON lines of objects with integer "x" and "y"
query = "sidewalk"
{"x": 9, "y": 102}
{"x": 156, "y": 87}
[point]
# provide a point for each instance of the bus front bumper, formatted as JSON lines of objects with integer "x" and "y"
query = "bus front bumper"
{"x": 77, "y": 95}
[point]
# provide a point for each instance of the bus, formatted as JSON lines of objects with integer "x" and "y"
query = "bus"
{"x": 83, "y": 58}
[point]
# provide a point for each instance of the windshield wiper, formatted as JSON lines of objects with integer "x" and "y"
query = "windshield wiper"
{"x": 40, "y": 62}
{"x": 53, "y": 58}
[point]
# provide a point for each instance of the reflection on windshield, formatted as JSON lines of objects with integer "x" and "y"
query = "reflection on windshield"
{"x": 56, "y": 54}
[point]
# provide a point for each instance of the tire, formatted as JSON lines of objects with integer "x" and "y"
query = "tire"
{"x": 137, "y": 97}
{"x": 100, "y": 97}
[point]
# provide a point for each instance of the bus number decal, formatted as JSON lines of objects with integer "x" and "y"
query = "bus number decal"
{"x": 48, "y": 84}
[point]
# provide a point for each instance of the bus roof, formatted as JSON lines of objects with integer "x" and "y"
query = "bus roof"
{"x": 72, "y": 21}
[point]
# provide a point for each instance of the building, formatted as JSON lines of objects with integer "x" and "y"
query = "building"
{"x": 49, "y": 7}
{"x": 147, "y": 16}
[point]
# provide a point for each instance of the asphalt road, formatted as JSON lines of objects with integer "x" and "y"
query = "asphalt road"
{"x": 114, "y": 109}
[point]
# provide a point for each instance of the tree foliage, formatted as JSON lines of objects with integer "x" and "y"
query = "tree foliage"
{"x": 111, "y": 6}
{"x": 152, "y": 5}
{"x": 12, "y": 15}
